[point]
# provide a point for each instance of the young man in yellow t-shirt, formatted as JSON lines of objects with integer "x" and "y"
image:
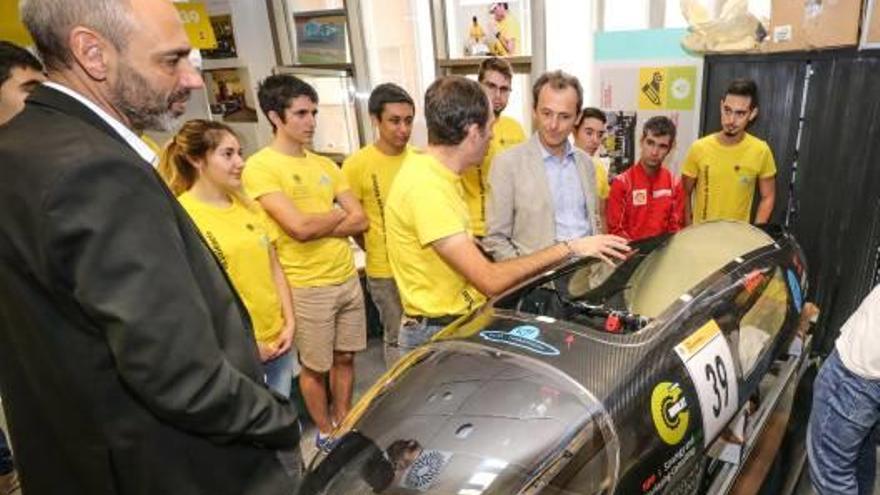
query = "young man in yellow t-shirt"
{"x": 308, "y": 197}
{"x": 438, "y": 268}
{"x": 370, "y": 172}
{"x": 495, "y": 75}
{"x": 723, "y": 169}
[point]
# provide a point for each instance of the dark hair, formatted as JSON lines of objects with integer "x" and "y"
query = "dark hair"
{"x": 452, "y": 103}
{"x": 591, "y": 113}
{"x": 496, "y": 64}
{"x": 743, "y": 87}
{"x": 659, "y": 125}
{"x": 558, "y": 80}
{"x": 13, "y": 56}
{"x": 276, "y": 92}
{"x": 386, "y": 93}
{"x": 195, "y": 139}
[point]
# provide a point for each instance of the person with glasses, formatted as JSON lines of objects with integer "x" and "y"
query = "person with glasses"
{"x": 496, "y": 76}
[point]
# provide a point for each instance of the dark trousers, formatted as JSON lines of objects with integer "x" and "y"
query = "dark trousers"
{"x": 5, "y": 455}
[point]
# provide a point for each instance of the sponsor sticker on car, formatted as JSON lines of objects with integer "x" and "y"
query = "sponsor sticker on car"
{"x": 524, "y": 337}
{"x": 669, "y": 410}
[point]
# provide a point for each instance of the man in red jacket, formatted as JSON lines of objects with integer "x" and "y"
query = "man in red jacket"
{"x": 646, "y": 200}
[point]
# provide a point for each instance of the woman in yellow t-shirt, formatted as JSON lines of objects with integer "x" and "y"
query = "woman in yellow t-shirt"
{"x": 203, "y": 167}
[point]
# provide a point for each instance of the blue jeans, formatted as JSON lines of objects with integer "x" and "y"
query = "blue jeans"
{"x": 279, "y": 373}
{"x": 843, "y": 431}
{"x": 415, "y": 332}
{"x": 6, "y": 465}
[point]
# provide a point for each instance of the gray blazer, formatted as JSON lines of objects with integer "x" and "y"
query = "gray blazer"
{"x": 521, "y": 217}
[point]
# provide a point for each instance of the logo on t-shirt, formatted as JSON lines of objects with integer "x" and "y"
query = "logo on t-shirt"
{"x": 640, "y": 197}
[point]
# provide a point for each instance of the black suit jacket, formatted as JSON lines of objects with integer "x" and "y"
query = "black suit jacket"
{"x": 127, "y": 361}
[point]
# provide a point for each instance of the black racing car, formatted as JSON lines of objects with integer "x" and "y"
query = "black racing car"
{"x": 586, "y": 379}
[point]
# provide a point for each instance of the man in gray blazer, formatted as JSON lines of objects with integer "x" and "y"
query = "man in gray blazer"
{"x": 543, "y": 191}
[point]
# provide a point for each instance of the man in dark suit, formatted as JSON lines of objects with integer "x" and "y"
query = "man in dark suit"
{"x": 127, "y": 361}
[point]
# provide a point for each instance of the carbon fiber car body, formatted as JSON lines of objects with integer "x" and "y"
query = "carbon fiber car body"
{"x": 585, "y": 379}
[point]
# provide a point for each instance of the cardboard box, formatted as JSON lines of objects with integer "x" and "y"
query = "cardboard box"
{"x": 813, "y": 24}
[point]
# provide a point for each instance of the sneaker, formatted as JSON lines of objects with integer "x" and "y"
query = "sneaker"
{"x": 324, "y": 443}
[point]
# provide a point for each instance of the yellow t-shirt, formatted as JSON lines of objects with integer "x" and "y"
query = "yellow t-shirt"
{"x": 506, "y": 132}
{"x": 425, "y": 205}
{"x": 311, "y": 183}
{"x": 602, "y": 187}
{"x": 240, "y": 238}
{"x": 726, "y": 176}
{"x": 369, "y": 173}
{"x": 507, "y": 28}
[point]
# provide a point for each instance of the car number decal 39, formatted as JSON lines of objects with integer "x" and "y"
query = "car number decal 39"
{"x": 709, "y": 363}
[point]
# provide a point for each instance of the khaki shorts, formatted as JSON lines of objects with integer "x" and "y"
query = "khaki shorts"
{"x": 383, "y": 292}
{"x": 328, "y": 319}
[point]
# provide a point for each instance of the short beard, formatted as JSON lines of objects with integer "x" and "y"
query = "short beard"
{"x": 145, "y": 108}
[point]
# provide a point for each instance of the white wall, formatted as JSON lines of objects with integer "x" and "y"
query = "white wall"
{"x": 569, "y": 39}
{"x": 253, "y": 39}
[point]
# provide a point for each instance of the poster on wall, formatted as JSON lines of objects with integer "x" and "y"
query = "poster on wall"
{"x": 667, "y": 88}
{"x": 197, "y": 24}
{"x": 640, "y": 92}
{"x": 644, "y": 74}
{"x": 619, "y": 144}
{"x": 11, "y": 28}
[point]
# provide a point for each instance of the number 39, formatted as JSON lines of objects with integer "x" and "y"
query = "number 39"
{"x": 717, "y": 375}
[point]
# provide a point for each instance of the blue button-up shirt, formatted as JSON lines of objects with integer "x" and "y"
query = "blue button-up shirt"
{"x": 572, "y": 214}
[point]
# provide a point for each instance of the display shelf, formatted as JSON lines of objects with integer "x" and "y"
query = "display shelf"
{"x": 517, "y": 61}
{"x": 222, "y": 63}
{"x": 319, "y": 13}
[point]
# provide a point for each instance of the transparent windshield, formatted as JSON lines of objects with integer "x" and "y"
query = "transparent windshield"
{"x": 625, "y": 297}
{"x": 687, "y": 259}
{"x": 461, "y": 420}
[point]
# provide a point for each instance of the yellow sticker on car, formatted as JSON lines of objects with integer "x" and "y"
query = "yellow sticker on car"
{"x": 669, "y": 409}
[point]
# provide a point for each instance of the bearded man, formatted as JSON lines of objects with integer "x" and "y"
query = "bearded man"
{"x": 127, "y": 362}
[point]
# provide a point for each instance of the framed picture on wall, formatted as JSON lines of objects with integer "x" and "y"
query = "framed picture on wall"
{"x": 479, "y": 28}
{"x": 321, "y": 38}
{"x": 222, "y": 25}
{"x": 228, "y": 95}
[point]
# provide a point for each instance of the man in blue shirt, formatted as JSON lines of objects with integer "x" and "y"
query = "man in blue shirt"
{"x": 543, "y": 191}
